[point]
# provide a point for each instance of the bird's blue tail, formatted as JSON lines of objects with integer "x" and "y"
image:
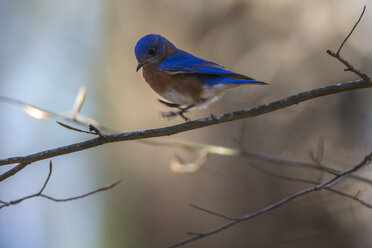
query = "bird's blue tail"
{"x": 210, "y": 81}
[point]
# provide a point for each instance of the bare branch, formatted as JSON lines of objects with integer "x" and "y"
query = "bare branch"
{"x": 352, "y": 197}
{"x": 40, "y": 193}
{"x": 352, "y": 30}
{"x": 13, "y": 171}
{"x": 293, "y": 179}
{"x": 47, "y": 180}
{"x": 211, "y": 212}
{"x": 349, "y": 66}
{"x": 84, "y": 195}
{"x": 72, "y": 116}
{"x": 28, "y": 107}
{"x": 326, "y": 184}
{"x": 204, "y": 122}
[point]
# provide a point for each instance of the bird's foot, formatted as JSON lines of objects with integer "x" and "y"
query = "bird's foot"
{"x": 169, "y": 104}
{"x": 171, "y": 114}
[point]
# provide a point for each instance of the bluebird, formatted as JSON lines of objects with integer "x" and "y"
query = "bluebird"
{"x": 182, "y": 78}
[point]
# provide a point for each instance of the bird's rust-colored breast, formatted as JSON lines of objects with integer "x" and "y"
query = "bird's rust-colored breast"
{"x": 161, "y": 82}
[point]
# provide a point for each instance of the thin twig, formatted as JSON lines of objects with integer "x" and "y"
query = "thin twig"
{"x": 295, "y": 163}
{"x": 47, "y": 180}
{"x": 211, "y": 212}
{"x": 72, "y": 116}
{"x": 318, "y": 187}
{"x": 84, "y": 195}
{"x": 349, "y": 66}
{"x": 293, "y": 179}
{"x": 352, "y": 30}
{"x": 355, "y": 198}
{"x": 40, "y": 193}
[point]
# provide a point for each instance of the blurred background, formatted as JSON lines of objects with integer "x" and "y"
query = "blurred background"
{"x": 49, "y": 49}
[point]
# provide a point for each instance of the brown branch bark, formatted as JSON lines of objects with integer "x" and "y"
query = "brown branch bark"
{"x": 204, "y": 122}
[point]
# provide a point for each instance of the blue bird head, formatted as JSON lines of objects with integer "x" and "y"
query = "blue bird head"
{"x": 152, "y": 48}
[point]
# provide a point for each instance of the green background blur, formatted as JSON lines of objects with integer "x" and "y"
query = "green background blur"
{"x": 49, "y": 49}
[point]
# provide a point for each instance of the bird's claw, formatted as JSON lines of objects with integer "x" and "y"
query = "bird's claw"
{"x": 169, "y": 104}
{"x": 171, "y": 114}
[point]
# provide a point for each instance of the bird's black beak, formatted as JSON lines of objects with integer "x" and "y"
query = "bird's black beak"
{"x": 139, "y": 66}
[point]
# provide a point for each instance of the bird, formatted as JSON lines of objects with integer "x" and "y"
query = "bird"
{"x": 183, "y": 79}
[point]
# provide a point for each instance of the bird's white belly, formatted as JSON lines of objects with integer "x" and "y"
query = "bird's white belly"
{"x": 175, "y": 97}
{"x": 209, "y": 95}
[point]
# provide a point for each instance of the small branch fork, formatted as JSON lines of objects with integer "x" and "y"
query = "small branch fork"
{"x": 324, "y": 185}
{"x": 337, "y": 55}
{"x": 40, "y": 193}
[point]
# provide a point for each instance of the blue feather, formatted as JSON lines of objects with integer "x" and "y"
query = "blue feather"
{"x": 214, "y": 80}
{"x": 184, "y": 62}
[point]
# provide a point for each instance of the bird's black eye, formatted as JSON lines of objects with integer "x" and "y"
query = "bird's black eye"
{"x": 152, "y": 51}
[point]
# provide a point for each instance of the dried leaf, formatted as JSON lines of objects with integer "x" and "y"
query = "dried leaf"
{"x": 73, "y": 128}
{"x": 79, "y": 100}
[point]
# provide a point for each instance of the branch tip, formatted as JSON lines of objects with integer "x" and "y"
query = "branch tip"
{"x": 352, "y": 30}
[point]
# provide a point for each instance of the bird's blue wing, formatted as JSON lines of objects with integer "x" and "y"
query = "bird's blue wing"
{"x": 210, "y": 73}
{"x": 211, "y": 80}
{"x": 183, "y": 62}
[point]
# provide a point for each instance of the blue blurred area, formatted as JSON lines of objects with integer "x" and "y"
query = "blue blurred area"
{"x": 48, "y": 50}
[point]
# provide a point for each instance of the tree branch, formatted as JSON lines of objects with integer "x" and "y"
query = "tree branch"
{"x": 326, "y": 184}
{"x": 13, "y": 171}
{"x": 352, "y": 30}
{"x": 204, "y": 122}
{"x": 40, "y": 193}
{"x": 211, "y": 212}
{"x": 337, "y": 55}
{"x": 293, "y": 179}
